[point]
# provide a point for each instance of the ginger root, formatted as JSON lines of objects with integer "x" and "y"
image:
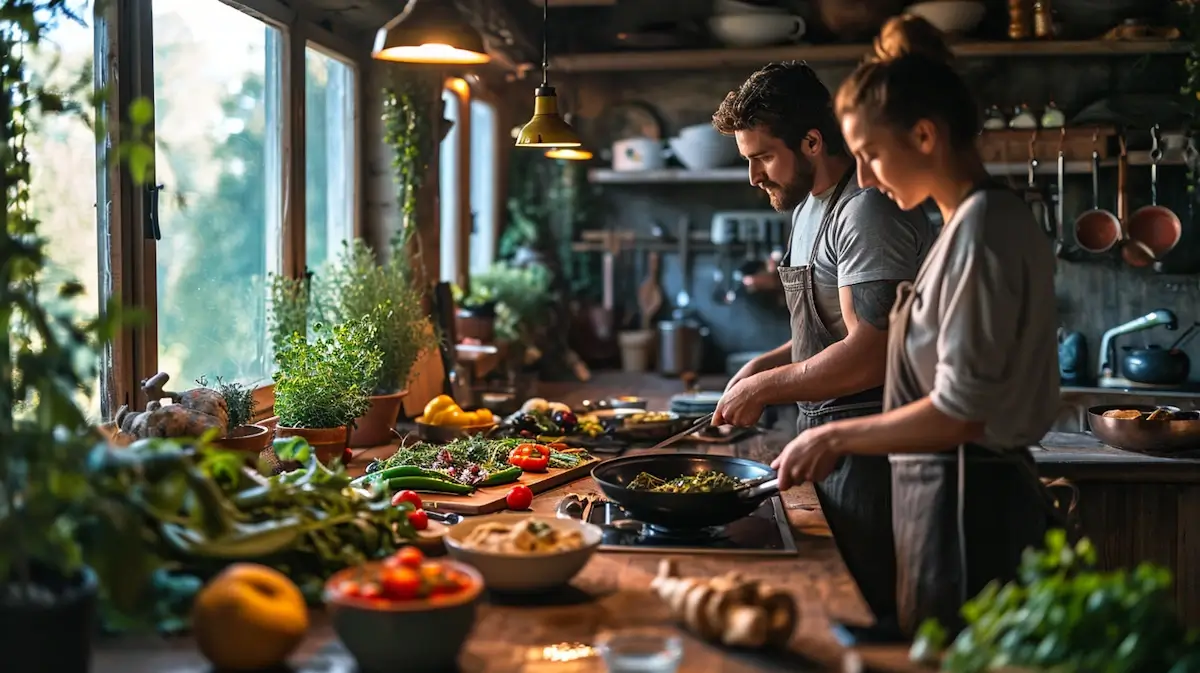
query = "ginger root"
{"x": 730, "y": 609}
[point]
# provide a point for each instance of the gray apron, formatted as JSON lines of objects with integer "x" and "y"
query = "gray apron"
{"x": 946, "y": 552}
{"x": 856, "y": 498}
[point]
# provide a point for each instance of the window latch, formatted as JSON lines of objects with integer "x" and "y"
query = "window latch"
{"x": 152, "y": 230}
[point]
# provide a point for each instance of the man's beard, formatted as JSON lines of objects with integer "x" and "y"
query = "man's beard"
{"x": 785, "y": 198}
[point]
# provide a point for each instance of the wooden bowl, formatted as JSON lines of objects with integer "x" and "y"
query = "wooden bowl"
{"x": 441, "y": 434}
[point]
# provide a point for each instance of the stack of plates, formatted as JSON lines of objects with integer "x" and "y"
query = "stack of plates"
{"x": 697, "y": 403}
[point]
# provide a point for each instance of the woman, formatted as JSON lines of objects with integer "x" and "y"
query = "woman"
{"x": 972, "y": 356}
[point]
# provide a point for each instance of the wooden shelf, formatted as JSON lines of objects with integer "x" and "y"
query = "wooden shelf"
{"x": 707, "y": 59}
{"x": 738, "y": 174}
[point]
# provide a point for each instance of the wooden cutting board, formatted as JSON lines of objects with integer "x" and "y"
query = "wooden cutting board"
{"x": 490, "y": 499}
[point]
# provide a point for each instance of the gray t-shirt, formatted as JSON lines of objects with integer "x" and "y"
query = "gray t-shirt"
{"x": 871, "y": 239}
{"x": 982, "y": 340}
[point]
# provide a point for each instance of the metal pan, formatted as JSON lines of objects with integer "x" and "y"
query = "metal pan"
{"x": 1156, "y": 226}
{"x": 1096, "y": 230}
{"x": 1146, "y": 436}
{"x": 685, "y": 510}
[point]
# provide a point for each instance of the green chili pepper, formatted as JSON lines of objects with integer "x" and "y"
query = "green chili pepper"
{"x": 423, "y": 483}
{"x": 393, "y": 472}
{"x": 505, "y": 476}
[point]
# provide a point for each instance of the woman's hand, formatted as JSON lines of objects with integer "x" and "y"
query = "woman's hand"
{"x": 811, "y": 456}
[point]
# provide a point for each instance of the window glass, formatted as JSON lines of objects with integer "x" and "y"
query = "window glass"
{"x": 449, "y": 185}
{"x": 483, "y": 185}
{"x": 328, "y": 155}
{"x": 62, "y": 158}
{"x": 218, "y": 129}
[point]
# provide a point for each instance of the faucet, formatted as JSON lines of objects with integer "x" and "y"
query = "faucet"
{"x": 1160, "y": 316}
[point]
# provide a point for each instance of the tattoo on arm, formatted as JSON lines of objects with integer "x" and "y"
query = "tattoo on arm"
{"x": 873, "y": 301}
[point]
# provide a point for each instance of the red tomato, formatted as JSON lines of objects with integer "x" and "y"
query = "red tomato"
{"x": 410, "y": 557}
{"x": 520, "y": 497}
{"x": 409, "y": 497}
{"x": 348, "y": 588}
{"x": 347, "y": 456}
{"x": 401, "y": 583}
{"x": 419, "y": 519}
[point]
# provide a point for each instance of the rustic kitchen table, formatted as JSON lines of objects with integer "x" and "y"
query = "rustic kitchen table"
{"x": 612, "y": 592}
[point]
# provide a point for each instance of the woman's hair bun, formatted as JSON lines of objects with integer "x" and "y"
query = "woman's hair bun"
{"x": 911, "y": 35}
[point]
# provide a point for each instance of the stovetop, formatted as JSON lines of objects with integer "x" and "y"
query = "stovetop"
{"x": 765, "y": 532}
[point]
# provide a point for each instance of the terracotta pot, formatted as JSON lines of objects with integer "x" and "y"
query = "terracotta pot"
{"x": 250, "y": 438}
{"x": 329, "y": 443}
{"x": 374, "y": 428}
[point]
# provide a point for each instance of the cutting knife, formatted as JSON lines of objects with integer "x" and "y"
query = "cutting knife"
{"x": 700, "y": 424}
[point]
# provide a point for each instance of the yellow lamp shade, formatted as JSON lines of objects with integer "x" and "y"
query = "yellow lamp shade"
{"x": 432, "y": 32}
{"x": 568, "y": 154}
{"x": 547, "y": 129}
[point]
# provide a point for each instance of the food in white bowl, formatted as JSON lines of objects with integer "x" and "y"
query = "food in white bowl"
{"x": 522, "y": 553}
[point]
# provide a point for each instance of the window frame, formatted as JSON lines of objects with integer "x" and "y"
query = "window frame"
{"x": 124, "y": 63}
{"x": 467, "y": 90}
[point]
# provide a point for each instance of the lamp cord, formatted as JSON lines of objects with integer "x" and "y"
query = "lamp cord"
{"x": 545, "y": 30}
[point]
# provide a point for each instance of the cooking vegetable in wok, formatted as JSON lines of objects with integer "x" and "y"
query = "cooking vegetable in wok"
{"x": 707, "y": 481}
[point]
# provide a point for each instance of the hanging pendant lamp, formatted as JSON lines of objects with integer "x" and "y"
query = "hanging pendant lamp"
{"x": 546, "y": 129}
{"x": 430, "y": 31}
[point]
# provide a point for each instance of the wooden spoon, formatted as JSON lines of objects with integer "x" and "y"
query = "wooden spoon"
{"x": 650, "y": 296}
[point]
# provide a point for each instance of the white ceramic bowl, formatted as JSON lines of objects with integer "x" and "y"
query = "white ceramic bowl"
{"x": 523, "y": 573}
{"x": 756, "y": 30}
{"x": 704, "y": 152}
{"x": 735, "y": 7}
{"x": 950, "y": 16}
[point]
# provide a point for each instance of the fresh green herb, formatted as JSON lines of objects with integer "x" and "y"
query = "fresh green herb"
{"x": 290, "y": 309}
{"x": 357, "y": 285}
{"x": 1064, "y": 616}
{"x": 469, "y": 460}
{"x": 327, "y": 383}
{"x": 238, "y": 398}
{"x": 708, "y": 481}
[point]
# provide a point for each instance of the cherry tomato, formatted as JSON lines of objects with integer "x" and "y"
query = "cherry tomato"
{"x": 410, "y": 557}
{"x": 347, "y": 456}
{"x": 520, "y": 497}
{"x": 348, "y": 588}
{"x": 419, "y": 519}
{"x": 407, "y": 496}
{"x": 401, "y": 583}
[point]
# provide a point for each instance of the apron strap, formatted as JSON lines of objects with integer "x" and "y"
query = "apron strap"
{"x": 826, "y": 218}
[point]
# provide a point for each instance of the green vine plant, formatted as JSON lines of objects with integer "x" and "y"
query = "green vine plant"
{"x": 408, "y": 131}
{"x": 1190, "y": 90}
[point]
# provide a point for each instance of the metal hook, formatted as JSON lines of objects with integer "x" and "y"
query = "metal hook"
{"x": 1155, "y": 150}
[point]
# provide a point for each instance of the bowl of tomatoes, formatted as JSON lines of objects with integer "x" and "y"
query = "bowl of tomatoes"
{"x": 406, "y": 612}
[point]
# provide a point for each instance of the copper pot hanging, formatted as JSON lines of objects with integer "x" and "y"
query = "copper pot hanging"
{"x": 1156, "y": 226}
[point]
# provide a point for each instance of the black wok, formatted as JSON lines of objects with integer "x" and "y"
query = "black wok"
{"x": 685, "y": 510}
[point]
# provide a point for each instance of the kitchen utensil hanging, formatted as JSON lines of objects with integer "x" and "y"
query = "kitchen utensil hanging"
{"x": 1097, "y": 230}
{"x": 650, "y": 296}
{"x": 1156, "y": 226}
{"x": 1135, "y": 253}
{"x": 1034, "y": 197}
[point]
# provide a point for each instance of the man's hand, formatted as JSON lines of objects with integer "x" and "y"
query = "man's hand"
{"x": 811, "y": 456}
{"x": 749, "y": 369}
{"x": 739, "y": 405}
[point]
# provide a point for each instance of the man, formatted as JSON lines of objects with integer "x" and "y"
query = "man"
{"x": 848, "y": 251}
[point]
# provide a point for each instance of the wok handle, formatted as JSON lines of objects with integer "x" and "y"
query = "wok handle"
{"x": 764, "y": 489}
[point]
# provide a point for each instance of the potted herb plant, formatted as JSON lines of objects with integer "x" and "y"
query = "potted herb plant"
{"x": 322, "y": 386}
{"x": 358, "y": 286}
{"x": 240, "y": 433}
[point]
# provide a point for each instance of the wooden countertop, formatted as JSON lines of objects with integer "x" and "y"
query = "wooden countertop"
{"x": 612, "y": 592}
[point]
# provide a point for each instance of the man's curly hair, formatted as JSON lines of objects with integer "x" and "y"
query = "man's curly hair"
{"x": 788, "y": 100}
